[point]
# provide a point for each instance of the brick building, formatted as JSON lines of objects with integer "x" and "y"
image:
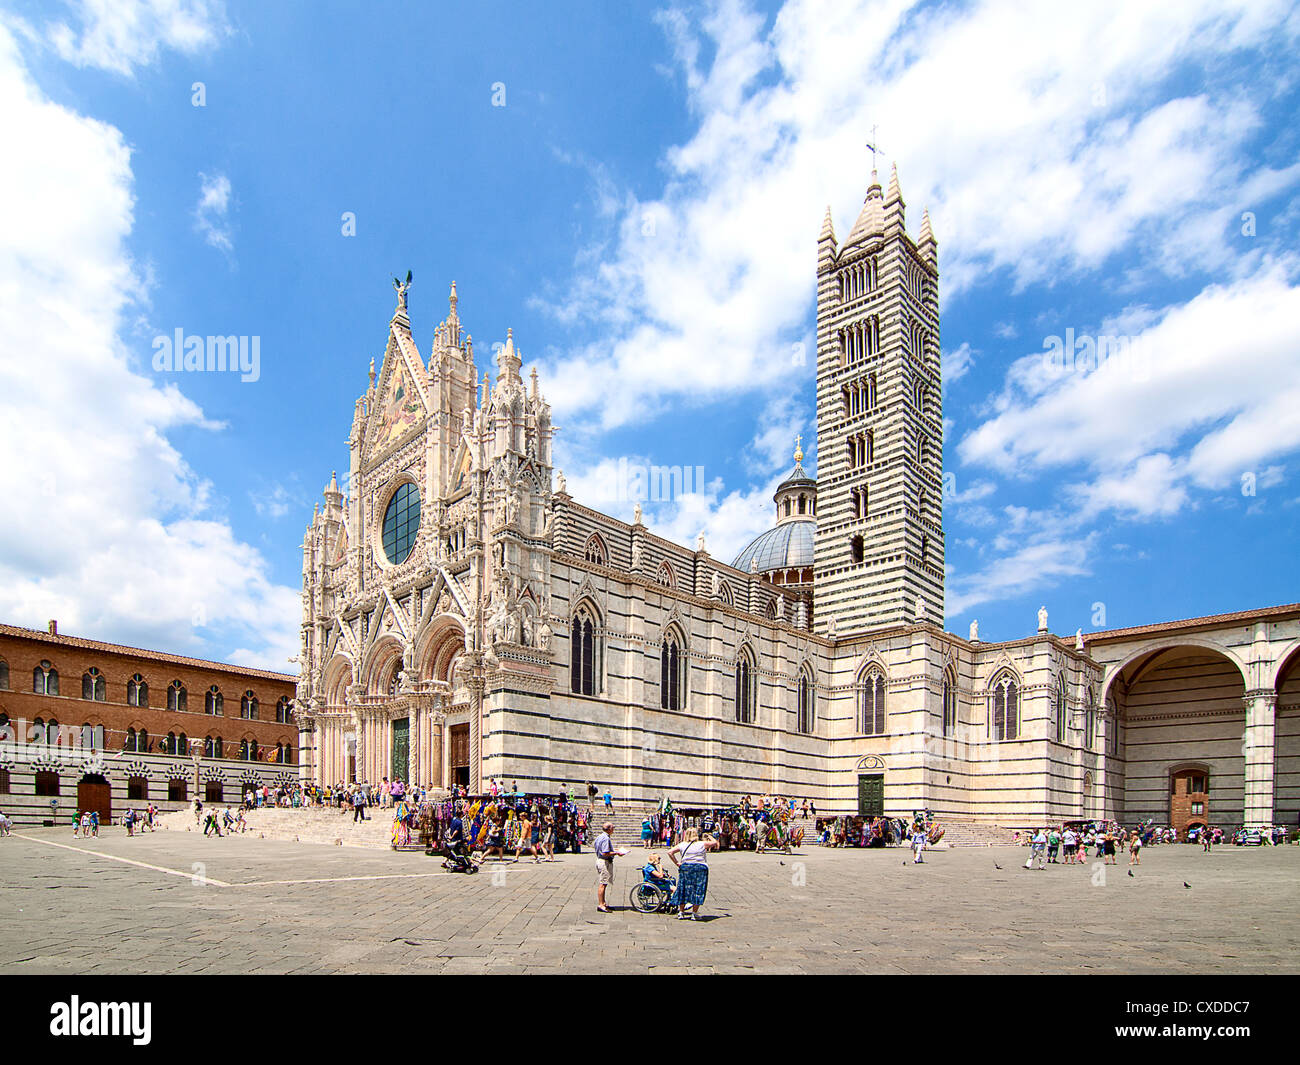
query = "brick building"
{"x": 97, "y": 726}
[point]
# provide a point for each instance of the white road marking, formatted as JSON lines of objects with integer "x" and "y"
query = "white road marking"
{"x": 127, "y": 861}
{"x": 340, "y": 879}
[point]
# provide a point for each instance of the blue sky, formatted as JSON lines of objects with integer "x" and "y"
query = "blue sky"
{"x": 642, "y": 212}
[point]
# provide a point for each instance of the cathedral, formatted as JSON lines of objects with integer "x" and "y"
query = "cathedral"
{"x": 465, "y": 618}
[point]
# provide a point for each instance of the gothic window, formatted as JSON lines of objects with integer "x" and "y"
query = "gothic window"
{"x": 282, "y": 710}
{"x": 252, "y": 750}
{"x": 857, "y": 549}
{"x": 401, "y": 523}
{"x": 805, "y": 716}
{"x": 52, "y": 732}
{"x": 595, "y": 551}
{"x": 949, "y": 703}
{"x": 248, "y": 706}
{"x": 724, "y": 593}
{"x": 1059, "y": 708}
{"x": 92, "y": 737}
{"x": 583, "y": 659}
{"x": 920, "y": 449}
{"x": 169, "y": 743}
{"x": 672, "y": 671}
{"x": 137, "y": 691}
{"x": 871, "y": 702}
{"x": 45, "y": 680}
{"x": 665, "y": 576}
{"x": 1004, "y": 710}
{"x": 243, "y": 750}
{"x": 142, "y": 741}
{"x": 918, "y": 395}
{"x": 871, "y": 391}
{"x": 1090, "y": 722}
{"x": 858, "y": 498}
{"x": 287, "y": 758}
{"x": 93, "y": 686}
{"x": 177, "y": 697}
{"x": 213, "y": 703}
{"x": 4, "y": 675}
{"x": 209, "y": 751}
{"x": 746, "y": 688}
{"x": 218, "y": 748}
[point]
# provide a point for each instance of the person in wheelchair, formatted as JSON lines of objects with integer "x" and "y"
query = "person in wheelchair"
{"x": 653, "y": 873}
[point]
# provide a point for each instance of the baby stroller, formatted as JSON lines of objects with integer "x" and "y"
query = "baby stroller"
{"x": 654, "y": 894}
{"x": 456, "y": 857}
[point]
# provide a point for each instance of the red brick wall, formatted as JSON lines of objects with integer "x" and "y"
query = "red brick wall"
{"x": 23, "y": 654}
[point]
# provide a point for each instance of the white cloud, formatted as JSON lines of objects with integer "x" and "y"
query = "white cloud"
{"x": 109, "y": 529}
{"x": 1051, "y": 155}
{"x": 1207, "y": 391}
{"x": 120, "y": 35}
{"x": 212, "y": 211}
{"x": 1024, "y": 569}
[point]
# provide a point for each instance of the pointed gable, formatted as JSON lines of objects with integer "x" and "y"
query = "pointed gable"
{"x": 401, "y": 405}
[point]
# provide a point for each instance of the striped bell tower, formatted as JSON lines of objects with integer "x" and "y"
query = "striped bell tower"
{"x": 879, "y": 541}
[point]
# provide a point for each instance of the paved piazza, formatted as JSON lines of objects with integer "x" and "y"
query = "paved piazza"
{"x": 275, "y": 907}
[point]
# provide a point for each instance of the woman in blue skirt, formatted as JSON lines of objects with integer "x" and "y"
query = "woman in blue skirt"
{"x": 691, "y": 858}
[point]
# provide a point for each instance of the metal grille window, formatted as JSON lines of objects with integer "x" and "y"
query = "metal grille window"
{"x": 871, "y": 703}
{"x": 806, "y": 718}
{"x": 1005, "y": 710}
{"x": 672, "y": 671}
{"x": 401, "y": 523}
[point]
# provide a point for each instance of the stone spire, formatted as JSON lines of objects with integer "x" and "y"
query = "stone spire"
{"x": 894, "y": 205}
{"x": 925, "y": 243}
{"x": 871, "y": 219}
{"x": 509, "y": 361}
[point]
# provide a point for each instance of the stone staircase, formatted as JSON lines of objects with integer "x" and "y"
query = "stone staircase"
{"x": 327, "y": 825}
{"x": 312, "y": 824}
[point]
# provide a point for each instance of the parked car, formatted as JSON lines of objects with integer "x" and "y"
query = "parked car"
{"x": 1248, "y": 838}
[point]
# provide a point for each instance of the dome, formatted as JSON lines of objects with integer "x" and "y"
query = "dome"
{"x": 788, "y": 546}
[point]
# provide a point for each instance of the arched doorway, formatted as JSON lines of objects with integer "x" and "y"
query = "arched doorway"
{"x": 1182, "y": 708}
{"x": 95, "y": 794}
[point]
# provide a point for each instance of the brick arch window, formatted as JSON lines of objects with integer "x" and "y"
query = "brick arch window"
{"x": 45, "y": 680}
{"x": 177, "y": 697}
{"x": 93, "y": 686}
{"x": 806, "y": 717}
{"x": 282, "y": 710}
{"x": 213, "y": 702}
{"x": 672, "y": 671}
{"x": 585, "y": 651}
{"x": 51, "y": 731}
{"x": 252, "y": 750}
{"x": 92, "y": 736}
{"x": 949, "y": 702}
{"x": 871, "y": 702}
{"x": 137, "y": 691}
{"x": 248, "y": 706}
{"x": 595, "y": 551}
{"x": 1004, "y": 708}
{"x": 137, "y": 742}
{"x": 4, "y": 675}
{"x": 243, "y": 750}
{"x": 209, "y": 748}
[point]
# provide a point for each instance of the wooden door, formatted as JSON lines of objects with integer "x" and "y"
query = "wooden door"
{"x": 94, "y": 793}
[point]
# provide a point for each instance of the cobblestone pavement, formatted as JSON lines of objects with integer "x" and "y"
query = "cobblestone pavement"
{"x": 274, "y": 907}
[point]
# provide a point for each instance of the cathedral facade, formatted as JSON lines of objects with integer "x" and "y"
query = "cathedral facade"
{"x": 465, "y": 618}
